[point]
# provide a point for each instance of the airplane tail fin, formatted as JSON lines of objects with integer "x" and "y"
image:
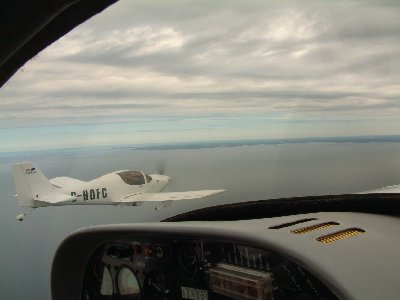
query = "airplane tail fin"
{"x": 30, "y": 183}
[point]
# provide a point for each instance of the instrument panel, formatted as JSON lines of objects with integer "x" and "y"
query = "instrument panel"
{"x": 200, "y": 269}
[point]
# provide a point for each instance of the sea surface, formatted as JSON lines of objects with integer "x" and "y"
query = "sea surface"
{"x": 248, "y": 171}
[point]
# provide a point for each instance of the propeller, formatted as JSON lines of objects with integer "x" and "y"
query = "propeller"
{"x": 160, "y": 166}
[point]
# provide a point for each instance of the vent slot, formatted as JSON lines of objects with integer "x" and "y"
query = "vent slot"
{"x": 292, "y": 223}
{"x": 314, "y": 227}
{"x": 340, "y": 235}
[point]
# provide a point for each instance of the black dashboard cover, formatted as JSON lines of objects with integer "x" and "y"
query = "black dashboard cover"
{"x": 387, "y": 204}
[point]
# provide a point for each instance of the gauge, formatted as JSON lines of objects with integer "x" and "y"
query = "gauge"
{"x": 99, "y": 283}
{"x": 106, "y": 287}
{"x": 148, "y": 251}
{"x": 159, "y": 252}
{"x": 102, "y": 280}
{"x": 136, "y": 248}
{"x": 128, "y": 285}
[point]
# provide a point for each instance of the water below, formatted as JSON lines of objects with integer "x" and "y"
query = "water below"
{"x": 246, "y": 172}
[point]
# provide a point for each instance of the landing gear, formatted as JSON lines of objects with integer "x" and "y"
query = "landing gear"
{"x": 21, "y": 217}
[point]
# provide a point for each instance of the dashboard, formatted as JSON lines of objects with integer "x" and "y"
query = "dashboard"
{"x": 325, "y": 255}
{"x": 186, "y": 268}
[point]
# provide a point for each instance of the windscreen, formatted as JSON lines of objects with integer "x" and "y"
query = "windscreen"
{"x": 132, "y": 177}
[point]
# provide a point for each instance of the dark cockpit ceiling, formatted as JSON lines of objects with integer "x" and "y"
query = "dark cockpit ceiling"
{"x": 29, "y": 26}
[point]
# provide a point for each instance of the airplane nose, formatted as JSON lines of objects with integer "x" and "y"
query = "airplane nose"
{"x": 162, "y": 178}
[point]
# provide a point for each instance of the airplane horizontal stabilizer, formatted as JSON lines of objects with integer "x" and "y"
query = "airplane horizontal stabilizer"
{"x": 65, "y": 182}
{"x": 173, "y": 196}
{"x": 55, "y": 198}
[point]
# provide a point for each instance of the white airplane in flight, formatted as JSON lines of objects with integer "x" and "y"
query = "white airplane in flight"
{"x": 116, "y": 188}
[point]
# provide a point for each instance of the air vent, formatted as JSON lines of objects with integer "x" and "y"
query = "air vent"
{"x": 314, "y": 227}
{"x": 340, "y": 235}
{"x": 292, "y": 223}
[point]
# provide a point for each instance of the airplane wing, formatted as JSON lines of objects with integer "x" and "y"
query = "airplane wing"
{"x": 65, "y": 182}
{"x": 391, "y": 189}
{"x": 169, "y": 196}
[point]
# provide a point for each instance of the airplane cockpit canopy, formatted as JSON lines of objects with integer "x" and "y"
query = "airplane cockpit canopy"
{"x": 132, "y": 177}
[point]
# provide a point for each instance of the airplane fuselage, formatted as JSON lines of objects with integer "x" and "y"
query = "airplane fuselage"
{"x": 109, "y": 189}
{"x": 120, "y": 188}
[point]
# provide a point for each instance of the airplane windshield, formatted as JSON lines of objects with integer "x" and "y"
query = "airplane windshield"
{"x": 241, "y": 100}
{"x": 148, "y": 178}
{"x": 132, "y": 177}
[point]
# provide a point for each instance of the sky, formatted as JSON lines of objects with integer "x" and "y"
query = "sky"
{"x": 180, "y": 71}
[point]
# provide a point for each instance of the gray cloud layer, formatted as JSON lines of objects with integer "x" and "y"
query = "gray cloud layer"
{"x": 215, "y": 58}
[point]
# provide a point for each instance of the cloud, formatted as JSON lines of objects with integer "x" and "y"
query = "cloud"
{"x": 178, "y": 59}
